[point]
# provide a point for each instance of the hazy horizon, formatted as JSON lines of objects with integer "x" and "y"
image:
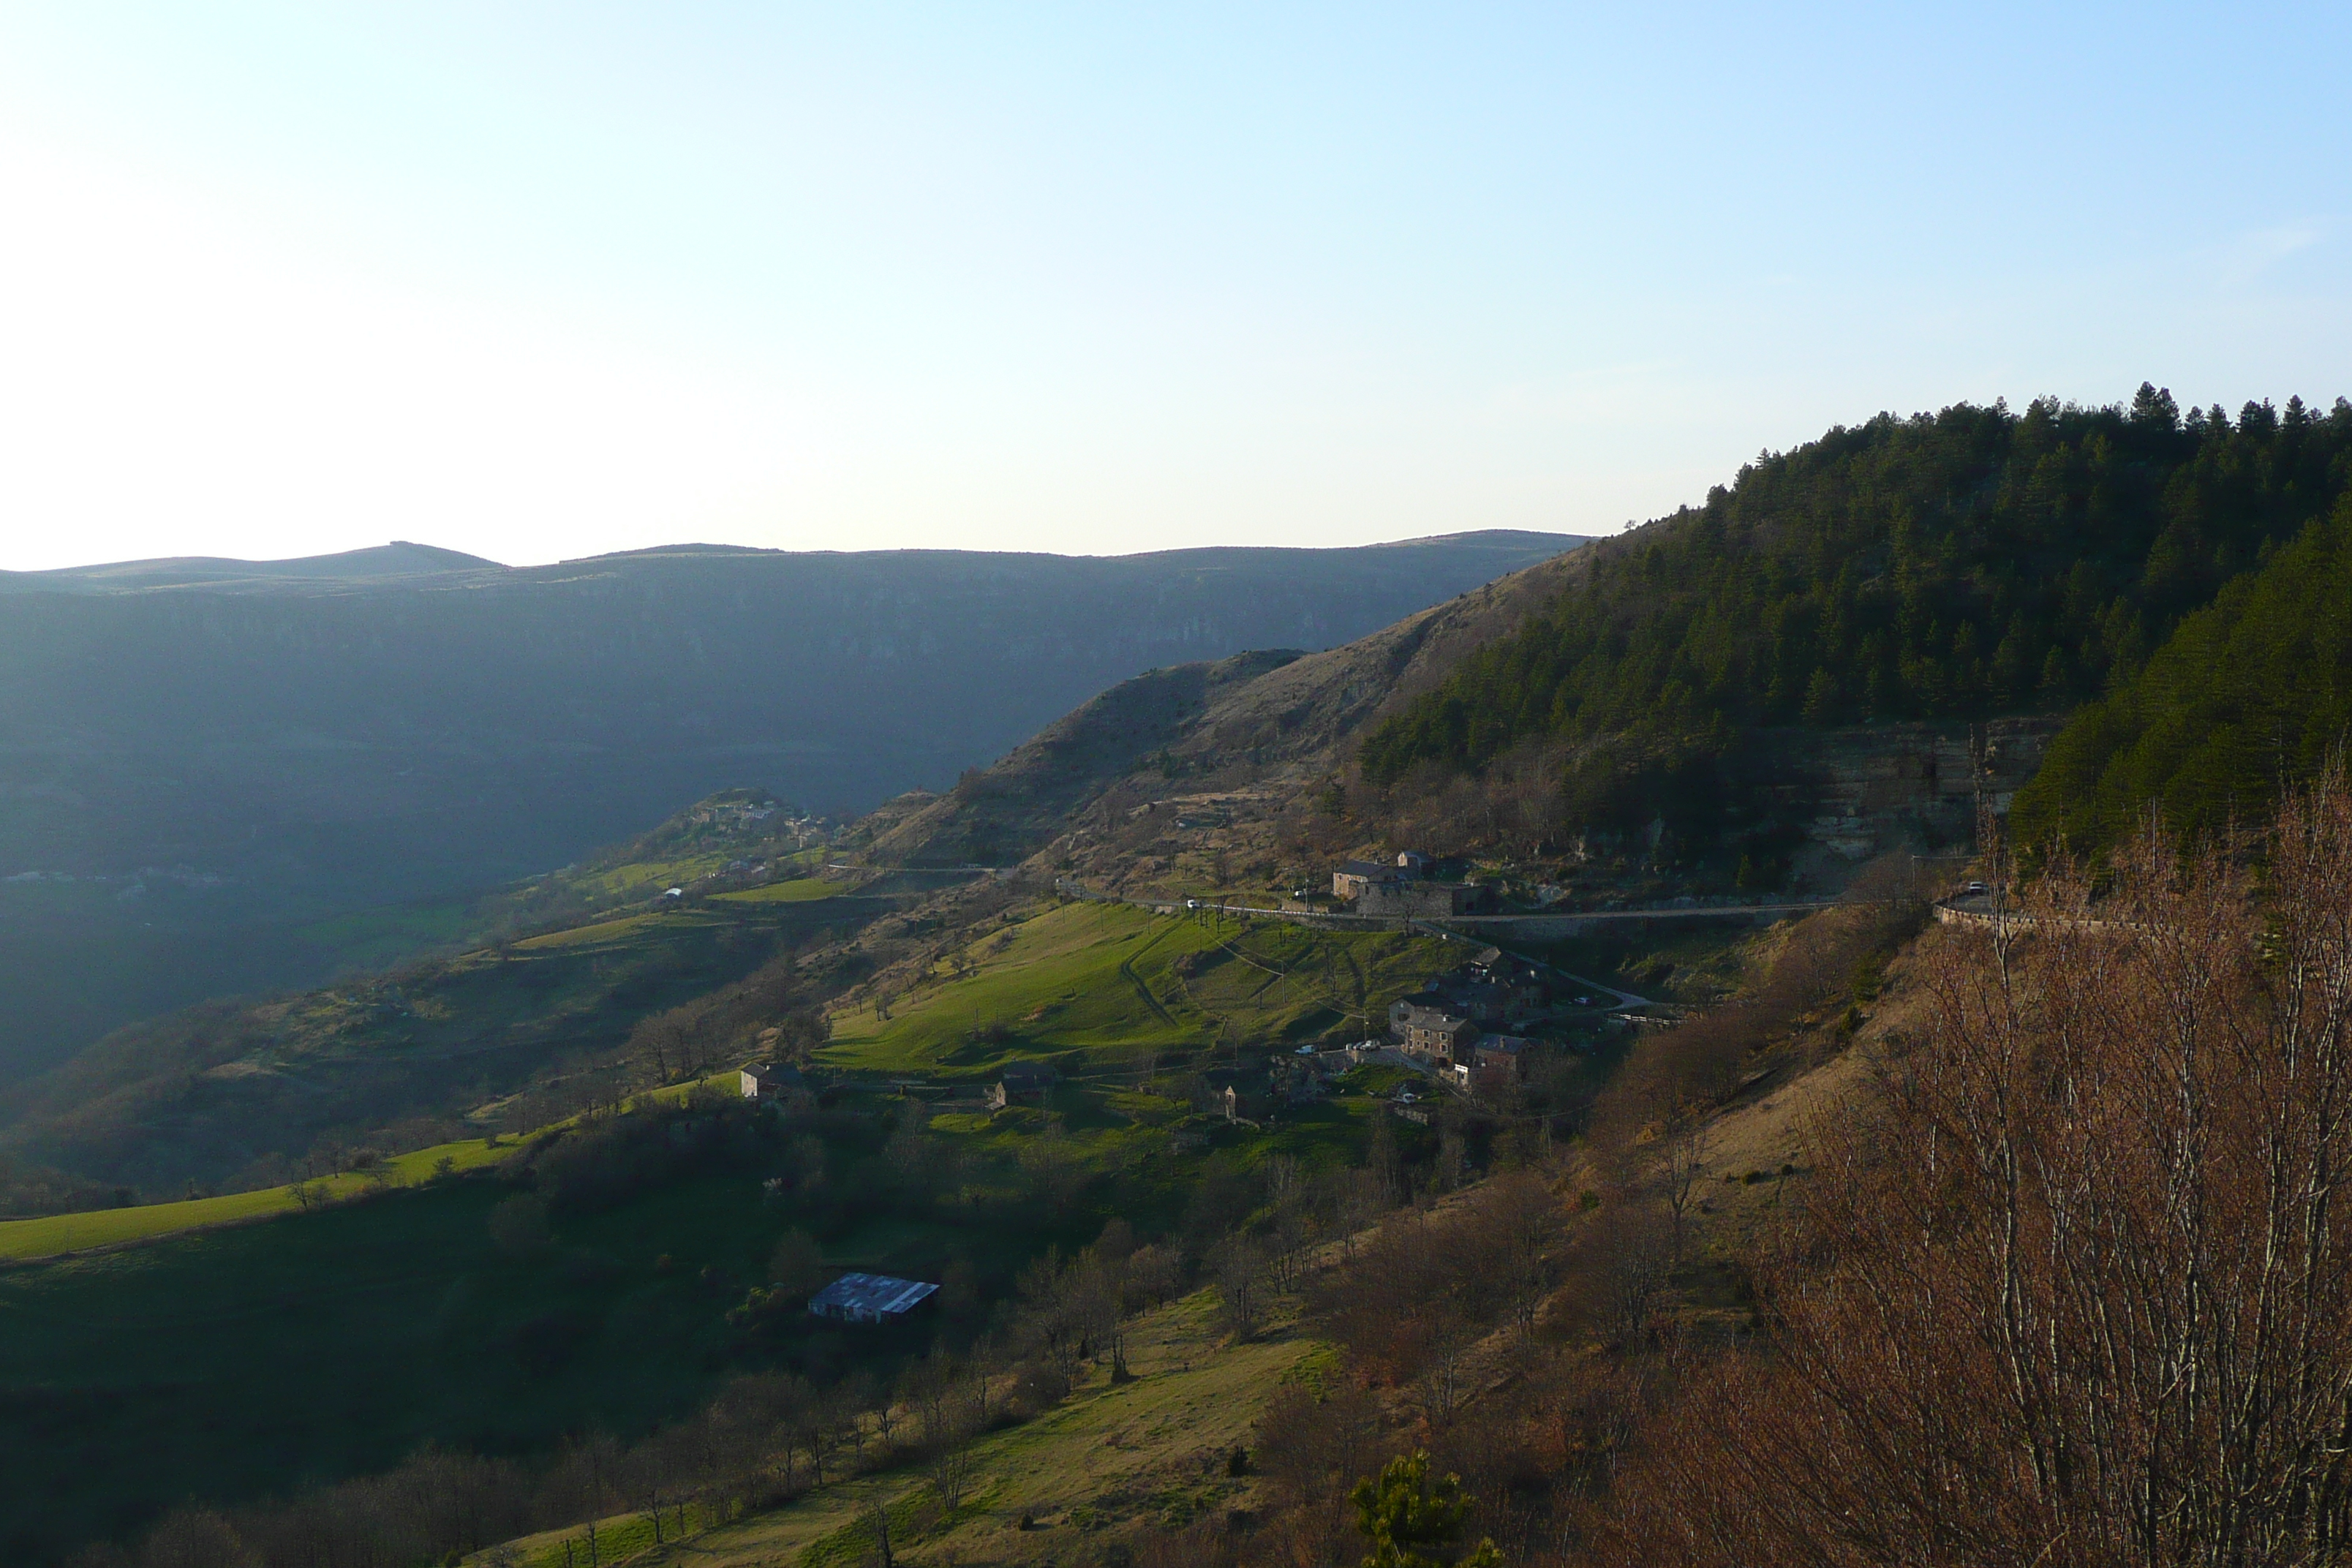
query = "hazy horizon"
{"x": 693, "y": 544}
{"x": 538, "y": 286}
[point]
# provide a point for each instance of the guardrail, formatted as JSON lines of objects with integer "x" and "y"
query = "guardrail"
{"x": 1076, "y": 889}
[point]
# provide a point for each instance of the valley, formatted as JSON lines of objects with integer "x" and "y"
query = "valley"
{"x": 1466, "y": 1040}
{"x": 206, "y": 768}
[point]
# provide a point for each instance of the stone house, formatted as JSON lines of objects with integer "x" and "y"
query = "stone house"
{"x": 1022, "y": 1083}
{"x": 1355, "y": 878}
{"x": 776, "y": 1083}
{"x": 1499, "y": 1061}
{"x": 1422, "y": 900}
{"x": 1435, "y": 1034}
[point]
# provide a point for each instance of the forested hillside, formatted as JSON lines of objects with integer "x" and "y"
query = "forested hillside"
{"x": 2248, "y": 695}
{"x": 1942, "y": 567}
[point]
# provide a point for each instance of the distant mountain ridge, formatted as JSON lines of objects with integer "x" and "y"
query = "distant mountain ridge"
{"x": 238, "y": 743}
{"x": 398, "y": 558}
{"x": 403, "y": 559}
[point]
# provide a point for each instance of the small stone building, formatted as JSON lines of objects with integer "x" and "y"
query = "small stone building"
{"x": 776, "y": 1083}
{"x": 1022, "y": 1083}
{"x": 1499, "y": 1061}
{"x": 1355, "y": 878}
{"x": 1423, "y": 901}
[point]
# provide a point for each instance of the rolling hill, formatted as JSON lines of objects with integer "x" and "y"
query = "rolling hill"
{"x": 1846, "y": 650}
{"x": 1615, "y": 720}
{"x": 542, "y": 1003}
{"x": 203, "y": 761}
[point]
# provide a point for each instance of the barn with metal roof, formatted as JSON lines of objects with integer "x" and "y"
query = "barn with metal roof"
{"x": 870, "y": 1297}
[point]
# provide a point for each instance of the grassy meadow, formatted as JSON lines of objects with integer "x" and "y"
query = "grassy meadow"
{"x": 252, "y": 1360}
{"x": 1104, "y": 978}
{"x": 450, "y": 1034}
{"x": 244, "y": 1360}
{"x": 797, "y": 890}
{"x": 54, "y": 1234}
{"x": 1109, "y": 1460}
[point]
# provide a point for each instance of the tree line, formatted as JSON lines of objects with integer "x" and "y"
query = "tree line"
{"x": 2250, "y": 696}
{"x": 1956, "y": 566}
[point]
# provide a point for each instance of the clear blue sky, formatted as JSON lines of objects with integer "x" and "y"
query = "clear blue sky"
{"x": 540, "y": 281}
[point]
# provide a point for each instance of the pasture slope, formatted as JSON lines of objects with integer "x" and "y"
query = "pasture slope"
{"x": 61, "y": 1235}
{"x": 1109, "y": 1460}
{"x": 245, "y": 1360}
{"x": 1117, "y": 982}
{"x": 52, "y": 1236}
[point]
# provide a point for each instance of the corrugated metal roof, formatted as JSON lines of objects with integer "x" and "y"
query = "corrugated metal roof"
{"x": 868, "y": 1296}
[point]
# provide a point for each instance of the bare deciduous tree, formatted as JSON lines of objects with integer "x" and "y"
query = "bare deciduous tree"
{"x": 1236, "y": 1263}
{"x": 1687, "y": 1147}
{"x": 2071, "y": 1292}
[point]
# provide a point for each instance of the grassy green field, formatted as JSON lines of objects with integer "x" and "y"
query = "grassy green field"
{"x": 250, "y": 1360}
{"x": 378, "y": 938}
{"x": 603, "y": 933}
{"x": 53, "y": 1234}
{"x": 255, "y": 1358}
{"x": 1146, "y": 1454}
{"x": 1087, "y": 977}
{"x": 445, "y": 1035}
{"x": 241, "y": 1360}
{"x": 800, "y": 889}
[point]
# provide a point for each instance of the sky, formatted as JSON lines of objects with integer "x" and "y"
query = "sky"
{"x": 541, "y": 281}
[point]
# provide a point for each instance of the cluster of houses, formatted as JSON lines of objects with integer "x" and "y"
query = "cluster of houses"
{"x": 1464, "y": 1023}
{"x": 1406, "y": 889}
{"x": 1459, "y": 1027}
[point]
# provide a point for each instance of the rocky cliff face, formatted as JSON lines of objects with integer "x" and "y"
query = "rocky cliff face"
{"x": 1860, "y": 793}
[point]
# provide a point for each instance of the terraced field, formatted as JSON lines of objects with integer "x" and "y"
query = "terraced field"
{"x": 799, "y": 890}
{"x": 1105, "y": 978}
